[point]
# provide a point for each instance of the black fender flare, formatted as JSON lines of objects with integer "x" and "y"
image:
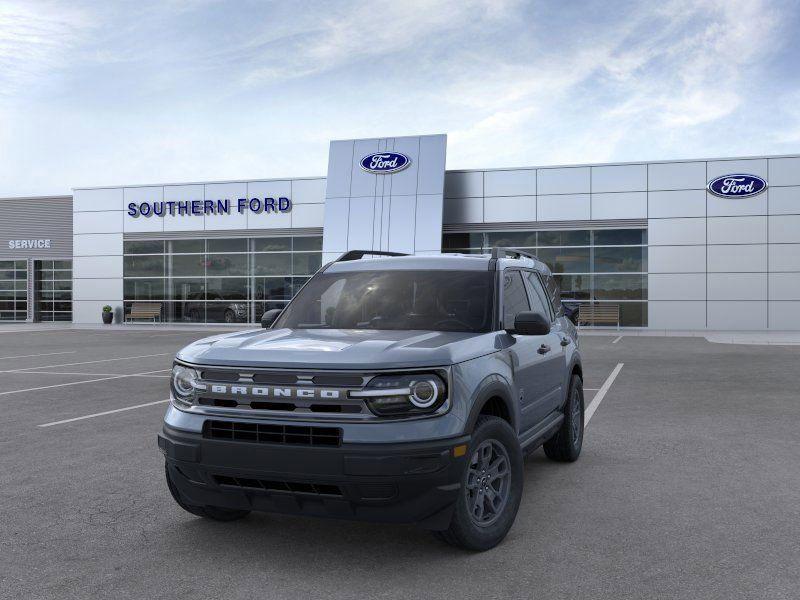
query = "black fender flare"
{"x": 494, "y": 386}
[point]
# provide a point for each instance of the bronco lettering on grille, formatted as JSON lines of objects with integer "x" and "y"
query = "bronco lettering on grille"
{"x": 275, "y": 392}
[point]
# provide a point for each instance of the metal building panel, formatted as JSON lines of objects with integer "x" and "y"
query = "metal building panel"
{"x": 97, "y": 199}
{"x": 463, "y": 184}
{"x": 666, "y": 314}
{"x": 432, "y": 158}
{"x": 737, "y": 258}
{"x": 97, "y": 222}
{"x": 48, "y": 219}
{"x": 784, "y": 315}
{"x": 676, "y": 176}
{"x": 619, "y": 178}
{"x": 463, "y": 210}
{"x": 784, "y": 286}
{"x": 428, "y": 229}
{"x": 99, "y": 289}
{"x": 784, "y": 171}
{"x": 737, "y": 286}
{"x": 784, "y": 257}
{"x": 96, "y": 267}
{"x": 361, "y": 221}
{"x": 308, "y": 215}
{"x": 563, "y": 180}
{"x": 737, "y": 230}
{"x": 676, "y": 286}
{"x": 784, "y": 229}
{"x": 231, "y": 192}
{"x": 520, "y": 182}
{"x": 676, "y": 232}
{"x": 676, "y": 203}
{"x": 565, "y": 207}
{"x": 335, "y": 225}
{"x": 138, "y": 195}
{"x": 620, "y": 205}
{"x": 676, "y": 259}
{"x": 784, "y": 200}
{"x": 361, "y": 182}
{"x": 340, "y": 168}
{"x": 188, "y": 192}
{"x": 308, "y": 191}
{"x": 756, "y": 166}
{"x": 731, "y": 207}
{"x": 402, "y": 225}
{"x": 97, "y": 244}
{"x": 509, "y": 208}
{"x": 403, "y": 183}
{"x": 737, "y": 315}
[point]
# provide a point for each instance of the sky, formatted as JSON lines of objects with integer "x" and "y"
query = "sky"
{"x": 113, "y": 92}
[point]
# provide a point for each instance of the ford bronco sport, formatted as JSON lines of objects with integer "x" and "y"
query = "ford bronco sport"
{"x": 394, "y": 388}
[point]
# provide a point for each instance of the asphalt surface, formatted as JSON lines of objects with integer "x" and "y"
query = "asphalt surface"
{"x": 687, "y": 488}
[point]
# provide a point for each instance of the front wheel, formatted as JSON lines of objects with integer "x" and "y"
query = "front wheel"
{"x": 491, "y": 488}
{"x": 566, "y": 444}
{"x": 216, "y": 513}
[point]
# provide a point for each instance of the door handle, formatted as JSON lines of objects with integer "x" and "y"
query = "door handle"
{"x": 565, "y": 341}
{"x": 543, "y": 349}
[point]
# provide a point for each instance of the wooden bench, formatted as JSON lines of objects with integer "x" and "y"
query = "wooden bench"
{"x": 594, "y": 314}
{"x": 144, "y": 310}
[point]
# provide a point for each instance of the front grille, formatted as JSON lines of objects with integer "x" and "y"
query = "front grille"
{"x": 290, "y": 487}
{"x": 268, "y": 433}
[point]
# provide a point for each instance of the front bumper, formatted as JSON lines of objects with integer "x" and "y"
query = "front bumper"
{"x": 399, "y": 482}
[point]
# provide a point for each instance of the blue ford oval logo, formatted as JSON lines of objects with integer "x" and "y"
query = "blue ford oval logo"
{"x": 737, "y": 186}
{"x": 384, "y": 163}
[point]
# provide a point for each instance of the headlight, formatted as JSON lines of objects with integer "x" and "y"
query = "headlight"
{"x": 185, "y": 381}
{"x": 406, "y": 394}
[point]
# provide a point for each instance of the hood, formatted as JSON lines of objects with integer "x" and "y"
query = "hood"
{"x": 339, "y": 348}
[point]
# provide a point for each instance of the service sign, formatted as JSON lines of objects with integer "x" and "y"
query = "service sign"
{"x": 737, "y": 186}
{"x": 28, "y": 244}
{"x": 385, "y": 163}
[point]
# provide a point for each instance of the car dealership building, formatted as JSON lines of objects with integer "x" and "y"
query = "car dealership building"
{"x": 686, "y": 244}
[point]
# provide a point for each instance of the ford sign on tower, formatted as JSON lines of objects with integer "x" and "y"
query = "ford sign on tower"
{"x": 737, "y": 186}
{"x": 385, "y": 163}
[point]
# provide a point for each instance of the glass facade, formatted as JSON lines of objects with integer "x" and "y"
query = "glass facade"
{"x": 590, "y": 265}
{"x": 218, "y": 280}
{"x": 54, "y": 290}
{"x": 13, "y": 290}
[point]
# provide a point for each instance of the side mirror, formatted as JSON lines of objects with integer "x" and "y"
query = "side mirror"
{"x": 571, "y": 312}
{"x": 268, "y": 318}
{"x": 531, "y": 323}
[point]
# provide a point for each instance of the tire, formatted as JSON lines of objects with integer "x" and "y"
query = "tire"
{"x": 566, "y": 444}
{"x": 230, "y": 317}
{"x": 216, "y": 513}
{"x": 483, "y": 531}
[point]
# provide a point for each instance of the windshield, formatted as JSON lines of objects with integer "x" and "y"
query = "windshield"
{"x": 429, "y": 300}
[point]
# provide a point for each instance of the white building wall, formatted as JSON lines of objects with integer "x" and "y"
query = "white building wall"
{"x": 100, "y": 221}
{"x": 713, "y": 262}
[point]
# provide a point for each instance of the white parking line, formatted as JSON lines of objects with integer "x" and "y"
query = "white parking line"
{"x": 88, "y": 374}
{"x": 34, "y": 355}
{"x": 47, "y": 387}
{"x": 598, "y": 397}
{"x": 100, "y": 414}
{"x": 616, "y": 340}
{"x": 87, "y": 362}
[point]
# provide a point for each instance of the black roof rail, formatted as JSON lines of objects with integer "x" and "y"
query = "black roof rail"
{"x": 511, "y": 253}
{"x": 359, "y": 254}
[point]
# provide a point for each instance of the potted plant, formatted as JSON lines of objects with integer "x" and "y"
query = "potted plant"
{"x": 108, "y": 315}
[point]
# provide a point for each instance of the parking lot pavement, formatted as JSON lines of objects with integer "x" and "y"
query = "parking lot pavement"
{"x": 687, "y": 488}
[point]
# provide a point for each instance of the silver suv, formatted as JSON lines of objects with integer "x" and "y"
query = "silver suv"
{"x": 391, "y": 388}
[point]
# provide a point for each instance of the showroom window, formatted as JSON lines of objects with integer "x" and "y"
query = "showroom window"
{"x": 218, "y": 280}
{"x": 54, "y": 290}
{"x": 13, "y": 290}
{"x": 591, "y": 265}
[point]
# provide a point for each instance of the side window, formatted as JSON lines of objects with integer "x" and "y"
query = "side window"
{"x": 515, "y": 298}
{"x": 539, "y": 300}
{"x": 554, "y": 293}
